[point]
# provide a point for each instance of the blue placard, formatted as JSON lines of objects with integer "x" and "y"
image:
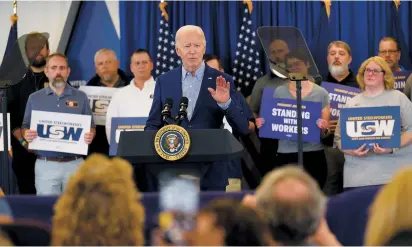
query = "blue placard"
{"x": 381, "y": 125}
{"x": 338, "y": 95}
{"x": 400, "y": 79}
{"x": 124, "y": 124}
{"x": 281, "y": 118}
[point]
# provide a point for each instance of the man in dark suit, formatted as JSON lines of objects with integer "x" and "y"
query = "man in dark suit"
{"x": 211, "y": 95}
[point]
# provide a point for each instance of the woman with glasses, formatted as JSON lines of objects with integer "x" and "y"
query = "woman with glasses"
{"x": 314, "y": 160}
{"x": 376, "y": 165}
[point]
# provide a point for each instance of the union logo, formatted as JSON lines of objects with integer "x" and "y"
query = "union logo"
{"x": 172, "y": 142}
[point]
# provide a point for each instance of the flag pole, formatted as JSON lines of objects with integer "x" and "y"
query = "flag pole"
{"x": 14, "y": 17}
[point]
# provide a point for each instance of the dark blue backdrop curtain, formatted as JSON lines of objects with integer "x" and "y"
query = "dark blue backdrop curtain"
{"x": 361, "y": 24}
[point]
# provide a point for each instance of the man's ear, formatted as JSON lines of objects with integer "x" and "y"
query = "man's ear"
{"x": 46, "y": 71}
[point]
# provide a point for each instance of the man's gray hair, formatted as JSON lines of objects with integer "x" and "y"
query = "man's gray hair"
{"x": 291, "y": 221}
{"x": 104, "y": 50}
{"x": 189, "y": 28}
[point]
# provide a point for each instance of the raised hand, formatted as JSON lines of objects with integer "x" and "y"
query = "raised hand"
{"x": 222, "y": 92}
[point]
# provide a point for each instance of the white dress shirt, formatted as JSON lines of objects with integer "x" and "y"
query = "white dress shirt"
{"x": 130, "y": 101}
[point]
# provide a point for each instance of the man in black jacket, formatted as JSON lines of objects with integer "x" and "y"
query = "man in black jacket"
{"x": 18, "y": 94}
{"x": 108, "y": 74}
{"x": 339, "y": 58}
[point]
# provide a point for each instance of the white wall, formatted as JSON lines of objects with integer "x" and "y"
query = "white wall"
{"x": 42, "y": 16}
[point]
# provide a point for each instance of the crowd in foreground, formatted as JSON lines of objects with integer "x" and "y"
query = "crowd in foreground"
{"x": 102, "y": 206}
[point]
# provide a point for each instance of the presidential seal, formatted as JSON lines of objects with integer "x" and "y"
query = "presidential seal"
{"x": 172, "y": 142}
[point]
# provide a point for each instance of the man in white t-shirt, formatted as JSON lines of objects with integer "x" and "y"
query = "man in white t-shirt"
{"x": 134, "y": 100}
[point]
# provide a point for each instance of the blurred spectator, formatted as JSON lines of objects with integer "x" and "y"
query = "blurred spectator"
{"x": 4, "y": 240}
{"x": 391, "y": 212}
{"x": 100, "y": 206}
{"x": 229, "y": 223}
{"x": 294, "y": 205}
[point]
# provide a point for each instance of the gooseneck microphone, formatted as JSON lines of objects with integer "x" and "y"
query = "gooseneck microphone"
{"x": 184, "y": 101}
{"x": 166, "y": 112}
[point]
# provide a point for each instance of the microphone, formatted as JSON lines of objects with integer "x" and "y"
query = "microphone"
{"x": 166, "y": 109}
{"x": 184, "y": 101}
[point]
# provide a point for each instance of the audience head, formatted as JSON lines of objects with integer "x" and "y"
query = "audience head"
{"x": 293, "y": 204}
{"x": 229, "y": 223}
{"x": 37, "y": 49}
{"x": 278, "y": 50}
{"x": 141, "y": 64}
{"x": 213, "y": 61}
{"x": 57, "y": 70}
{"x": 297, "y": 62}
{"x": 106, "y": 65}
{"x": 375, "y": 73}
{"x": 391, "y": 211}
{"x": 390, "y": 50}
{"x": 190, "y": 46}
{"x": 339, "y": 58}
{"x": 100, "y": 206}
{"x": 4, "y": 240}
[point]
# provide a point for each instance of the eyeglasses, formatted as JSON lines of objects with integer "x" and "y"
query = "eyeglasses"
{"x": 373, "y": 71}
{"x": 390, "y": 52}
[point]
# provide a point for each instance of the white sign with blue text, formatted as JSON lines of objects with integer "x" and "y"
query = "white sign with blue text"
{"x": 60, "y": 132}
{"x": 99, "y": 99}
{"x": 2, "y": 131}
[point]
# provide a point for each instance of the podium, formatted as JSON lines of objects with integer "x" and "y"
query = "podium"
{"x": 207, "y": 146}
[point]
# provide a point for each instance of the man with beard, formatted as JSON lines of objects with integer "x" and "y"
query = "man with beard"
{"x": 34, "y": 80}
{"x": 53, "y": 169}
{"x": 108, "y": 74}
{"x": 339, "y": 58}
{"x": 390, "y": 50}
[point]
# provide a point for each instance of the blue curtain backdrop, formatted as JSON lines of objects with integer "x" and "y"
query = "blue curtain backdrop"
{"x": 361, "y": 24}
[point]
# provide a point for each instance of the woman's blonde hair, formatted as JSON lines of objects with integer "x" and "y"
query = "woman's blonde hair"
{"x": 391, "y": 211}
{"x": 389, "y": 81}
{"x": 100, "y": 206}
{"x": 4, "y": 240}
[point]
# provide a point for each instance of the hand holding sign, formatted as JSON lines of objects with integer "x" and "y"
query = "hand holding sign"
{"x": 332, "y": 125}
{"x": 360, "y": 152}
{"x": 29, "y": 135}
{"x": 259, "y": 122}
{"x": 378, "y": 150}
{"x": 322, "y": 124}
{"x": 88, "y": 137}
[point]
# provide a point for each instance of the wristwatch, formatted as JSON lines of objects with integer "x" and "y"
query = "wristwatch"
{"x": 23, "y": 142}
{"x": 394, "y": 150}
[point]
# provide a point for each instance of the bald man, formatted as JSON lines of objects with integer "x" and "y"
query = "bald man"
{"x": 108, "y": 74}
{"x": 211, "y": 95}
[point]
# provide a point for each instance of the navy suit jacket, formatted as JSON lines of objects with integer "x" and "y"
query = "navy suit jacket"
{"x": 207, "y": 114}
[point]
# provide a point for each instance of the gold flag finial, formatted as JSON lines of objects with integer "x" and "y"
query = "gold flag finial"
{"x": 328, "y": 4}
{"x": 397, "y": 3}
{"x": 249, "y": 5}
{"x": 162, "y": 7}
{"x": 14, "y": 16}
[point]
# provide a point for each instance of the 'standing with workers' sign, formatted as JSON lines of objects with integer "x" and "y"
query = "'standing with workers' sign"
{"x": 338, "y": 95}
{"x": 60, "y": 132}
{"x": 99, "y": 99}
{"x": 281, "y": 118}
{"x": 400, "y": 79}
{"x": 381, "y": 125}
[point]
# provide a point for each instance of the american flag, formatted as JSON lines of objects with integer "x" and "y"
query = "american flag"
{"x": 246, "y": 66}
{"x": 166, "y": 54}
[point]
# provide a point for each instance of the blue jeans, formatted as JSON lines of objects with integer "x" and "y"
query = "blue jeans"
{"x": 51, "y": 177}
